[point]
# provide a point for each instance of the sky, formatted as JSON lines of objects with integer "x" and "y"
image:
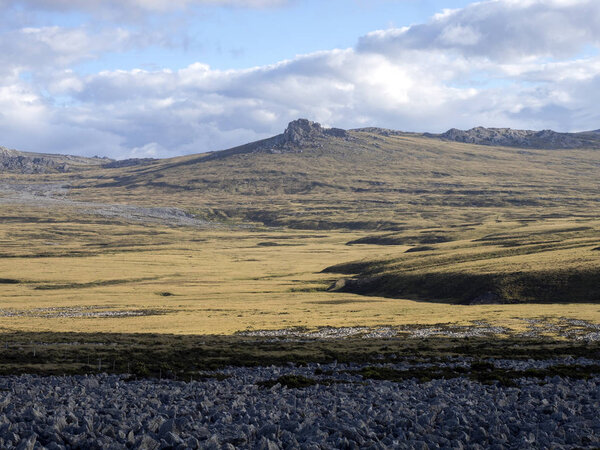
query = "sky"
{"x": 161, "y": 78}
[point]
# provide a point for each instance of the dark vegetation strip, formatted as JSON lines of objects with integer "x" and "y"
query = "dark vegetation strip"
{"x": 392, "y": 239}
{"x": 46, "y": 287}
{"x": 153, "y": 355}
{"x": 530, "y": 234}
{"x": 424, "y": 248}
{"x": 480, "y": 371}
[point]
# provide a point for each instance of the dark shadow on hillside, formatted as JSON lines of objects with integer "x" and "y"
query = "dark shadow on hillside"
{"x": 559, "y": 286}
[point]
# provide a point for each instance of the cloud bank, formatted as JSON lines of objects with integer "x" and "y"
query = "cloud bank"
{"x": 119, "y": 6}
{"x": 524, "y": 64}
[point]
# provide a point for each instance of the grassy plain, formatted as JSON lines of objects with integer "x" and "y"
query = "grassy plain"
{"x": 89, "y": 274}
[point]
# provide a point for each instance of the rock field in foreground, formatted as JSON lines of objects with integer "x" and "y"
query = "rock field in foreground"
{"x": 107, "y": 411}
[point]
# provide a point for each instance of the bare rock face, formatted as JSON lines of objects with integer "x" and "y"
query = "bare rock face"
{"x": 507, "y": 137}
{"x": 303, "y": 131}
{"x": 14, "y": 161}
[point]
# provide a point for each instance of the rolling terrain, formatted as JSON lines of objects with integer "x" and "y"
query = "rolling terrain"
{"x": 308, "y": 178}
{"x": 554, "y": 261}
{"x": 294, "y": 230}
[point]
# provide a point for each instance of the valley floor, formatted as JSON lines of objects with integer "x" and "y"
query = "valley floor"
{"x": 61, "y": 271}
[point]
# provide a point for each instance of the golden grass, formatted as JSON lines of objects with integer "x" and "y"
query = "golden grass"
{"x": 552, "y": 261}
{"x": 221, "y": 281}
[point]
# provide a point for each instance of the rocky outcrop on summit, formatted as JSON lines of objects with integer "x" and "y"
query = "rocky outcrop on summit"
{"x": 299, "y": 135}
{"x": 303, "y": 131}
{"x": 13, "y": 161}
{"x": 507, "y": 137}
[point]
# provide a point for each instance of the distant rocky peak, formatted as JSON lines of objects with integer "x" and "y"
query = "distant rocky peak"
{"x": 544, "y": 139}
{"x": 302, "y": 131}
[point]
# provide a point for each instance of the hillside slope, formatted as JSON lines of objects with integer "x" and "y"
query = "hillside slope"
{"x": 17, "y": 162}
{"x": 311, "y": 177}
{"x": 499, "y": 262}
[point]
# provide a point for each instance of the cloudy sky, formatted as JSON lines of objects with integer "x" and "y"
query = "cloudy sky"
{"x": 137, "y": 78}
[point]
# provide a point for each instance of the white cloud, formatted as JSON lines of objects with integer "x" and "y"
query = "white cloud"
{"x": 499, "y": 30}
{"x": 115, "y": 6}
{"x": 495, "y": 63}
{"x": 45, "y": 50}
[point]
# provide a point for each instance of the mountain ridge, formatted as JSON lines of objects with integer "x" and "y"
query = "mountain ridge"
{"x": 300, "y": 135}
{"x": 509, "y": 137}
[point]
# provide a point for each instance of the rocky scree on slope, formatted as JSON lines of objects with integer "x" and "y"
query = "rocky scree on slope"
{"x": 51, "y": 195}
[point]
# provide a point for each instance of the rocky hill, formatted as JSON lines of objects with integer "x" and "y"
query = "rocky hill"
{"x": 299, "y": 135}
{"x": 507, "y": 137}
{"x": 302, "y": 135}
{"x": 312, "y": 177}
